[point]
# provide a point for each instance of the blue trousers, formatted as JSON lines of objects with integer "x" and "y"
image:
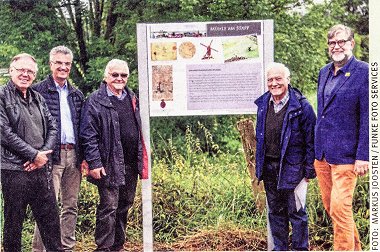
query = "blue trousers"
{"x": 281, "y": 211}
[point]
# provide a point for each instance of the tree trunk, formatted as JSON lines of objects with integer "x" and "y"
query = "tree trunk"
{"x": 98, "y": 13}
{"x": 111, "y": 21}
{"x": 247, "y": 133}
{"x": 83, "y": 57}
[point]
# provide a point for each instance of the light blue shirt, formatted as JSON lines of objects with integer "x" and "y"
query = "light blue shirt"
{"x": 281, "y": 104}
{"x": 67, "y": 128}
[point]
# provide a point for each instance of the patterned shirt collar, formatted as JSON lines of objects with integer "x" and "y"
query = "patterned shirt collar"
{"x": 281, "y": 104}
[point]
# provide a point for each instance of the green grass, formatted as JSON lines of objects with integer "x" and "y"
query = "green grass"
{"x": 199, "y": 188}
{"x": 197, "y": 191}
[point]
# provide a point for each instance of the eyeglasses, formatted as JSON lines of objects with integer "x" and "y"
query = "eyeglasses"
{"x": 116, "y": 75}
{"x": 340, "y": 43}
{"x": 23, "y": 70}
{"x": 60, "y": 63}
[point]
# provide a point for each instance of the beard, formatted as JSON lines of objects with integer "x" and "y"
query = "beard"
{"x": 340, "y": 57}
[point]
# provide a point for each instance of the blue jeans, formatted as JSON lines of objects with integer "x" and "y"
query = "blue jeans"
{"x": 112, "y": 213}
{"x": 281, "y": 211}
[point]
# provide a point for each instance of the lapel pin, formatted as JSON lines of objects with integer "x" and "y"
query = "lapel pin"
{"x": 347, "y": 74}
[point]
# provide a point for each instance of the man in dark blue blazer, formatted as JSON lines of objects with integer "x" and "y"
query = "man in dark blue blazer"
{"x": 341, "y": 133}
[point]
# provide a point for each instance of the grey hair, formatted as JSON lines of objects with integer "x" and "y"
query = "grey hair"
{"x": 338, "y": 28}
{"x": 276, "y": 65}
{"x": 115, "y": 62}
{"x": 23, "y": 56}
{"x": 60, "y": 49}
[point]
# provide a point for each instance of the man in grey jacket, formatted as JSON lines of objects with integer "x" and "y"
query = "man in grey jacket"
{"x": 28, "y": 135}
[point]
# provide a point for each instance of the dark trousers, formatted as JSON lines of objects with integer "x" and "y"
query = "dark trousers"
{"x": 112, "y": 213}
{"x": 282, "y": 210}
{"x": 21, "y": 189}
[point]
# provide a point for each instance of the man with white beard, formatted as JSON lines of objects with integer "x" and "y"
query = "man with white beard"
{"x": 341, "y": 133}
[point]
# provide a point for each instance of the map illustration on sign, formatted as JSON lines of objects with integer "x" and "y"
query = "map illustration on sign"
{"x": 187, "y": 50}
{"x": 162, "y": 77}
{"x": 164, "y": 51}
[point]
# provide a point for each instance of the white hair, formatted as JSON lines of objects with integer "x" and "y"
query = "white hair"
{"x": 115, "y": 62}
{"x": 276, "y": 65}
{"x": 62, "y": 50}
{"x": 23, "y": 56}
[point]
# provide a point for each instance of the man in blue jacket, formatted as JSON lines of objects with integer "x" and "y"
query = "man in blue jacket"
{"x": 115, "y": 152}
{"x": 65, "y": 104}
{"x": 284, "y": 157}
{"x": 341, "y": 133}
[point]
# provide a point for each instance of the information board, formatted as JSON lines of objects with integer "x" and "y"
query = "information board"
{"x": 207, "y": 68}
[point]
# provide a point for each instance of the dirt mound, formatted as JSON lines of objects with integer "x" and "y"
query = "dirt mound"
{"x": 218, "y": 240}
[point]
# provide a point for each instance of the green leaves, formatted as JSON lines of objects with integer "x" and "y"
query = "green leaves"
{"x": 109, "y": 29}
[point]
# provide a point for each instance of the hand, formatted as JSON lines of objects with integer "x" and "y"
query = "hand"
{"x": 29, "y": 166}
{"x": 40, "y": 160}
{"x": 361, "y": 167}
{"x": 85, "y": 170}
{"x": 97, "y": 173}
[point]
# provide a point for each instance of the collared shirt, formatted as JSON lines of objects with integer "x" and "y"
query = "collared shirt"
{"x": 334, "y": 80}
{"x": 30, "y": 126}
{"x": 281, "y": 104}
{"x": 67, "y": 128}
{"x": 121, "y": 97}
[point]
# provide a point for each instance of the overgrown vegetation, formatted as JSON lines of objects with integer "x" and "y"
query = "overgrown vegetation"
{"x": 207, "y": 192}
{"x": 202, "y": 200}
{"x": 201, "y": 189}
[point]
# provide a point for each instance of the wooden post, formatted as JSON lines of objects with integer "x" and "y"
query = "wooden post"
{"x": 248, "y": 137}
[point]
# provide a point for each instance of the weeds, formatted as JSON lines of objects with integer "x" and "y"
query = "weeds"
{"x": 202, "y": 200}
{"x": 208, "y": 189}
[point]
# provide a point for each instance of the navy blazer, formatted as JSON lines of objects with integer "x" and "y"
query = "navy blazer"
{"x": 341, "y": 132}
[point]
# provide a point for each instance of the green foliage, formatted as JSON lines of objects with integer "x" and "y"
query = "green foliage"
{"x": 88, "y": 201}
{"x": 320, "y": 226}
{"x": 27, "y": 232}
{"x": 193, "y": 191}
{"x": 199, "y": 176}
{"x": 300, "y": 30}
{"x": 196, "y": 191}
{"x": 164, "y": 130}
